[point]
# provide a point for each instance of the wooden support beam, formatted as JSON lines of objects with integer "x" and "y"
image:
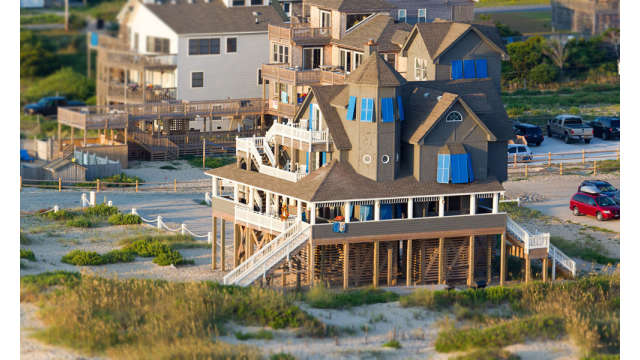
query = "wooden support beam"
{"x": 489, "y": 247}
{"x": 376, "y": 263}
{"x": 59, "y": 136}
{"x": 84, "y": 137}
{"x": 503, "y": 258}
{"x": 389, "y": 266}
{"x": 441, "y": 260}
{"x": 214, "y": 241}
{"x": 312, "y": 254}
{"x": 545, "y": 266}
{"x": 345, "y": 266}
{"x": 222, "y": 243}
{"x": 527, "y": 268}
{"x": 409, "y": 248}
{"x": 472, "y": 262}
{"x": 236, "y": 244}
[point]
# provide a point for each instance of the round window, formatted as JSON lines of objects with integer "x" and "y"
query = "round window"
{"x": 454, "y": 116}
{"x": 385, "y": 159}
{"x": 366, "y": 159}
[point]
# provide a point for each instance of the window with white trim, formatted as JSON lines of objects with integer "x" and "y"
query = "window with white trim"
{"x": 349, "y": 60}
{"x": 232, "y": 45}
{"x": 422, "y": 15}
{"x": 420, "y": 69}
{"x": 197, "y": 79}
{"x": 325, "y": 19}
{"x": 280, "y": 54}
{"x": 454, "y": 116}
{"x": 204, "y": 46}
{"x": 402, "y": 15}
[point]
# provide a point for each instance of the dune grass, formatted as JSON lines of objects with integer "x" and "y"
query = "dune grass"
{"x": 323, "y": 298}
{"x": 155, "y": 319}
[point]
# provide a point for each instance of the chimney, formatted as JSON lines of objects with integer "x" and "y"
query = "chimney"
{"x": 371, "y": 47}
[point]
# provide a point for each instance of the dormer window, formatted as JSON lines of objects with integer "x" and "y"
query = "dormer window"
{"x": 422, "y": 15}
{"x": 325, "y": 19}
{"x": 454, "y": 116}
{"x": 402, "y": 15}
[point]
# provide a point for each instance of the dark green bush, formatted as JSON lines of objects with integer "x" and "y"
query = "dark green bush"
{"x": 83, "y": 258}
{"x": 171, "y": 257}
{"x": 80, "y": 221}
{"x": 394, "y": 344}
{"x": 118, "y": 256}
{"x": 62, "y": 214}
{"x": 146, "y": 247}
{"x": 64, "y": 82}
{"x": 323, "y": 298}
{"x": 101, "y": 210}
{"x": 260, "y": 335}
{"x": 27, "y": 254}
{"x": 543, "y": 73}
{"x": 124, "y": 219}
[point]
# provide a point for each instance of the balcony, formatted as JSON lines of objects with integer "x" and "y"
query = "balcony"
{"x": 299, "y": 136}
{"x": 130, "y": 59}
{"x": 326, "y": 75}
{"x": 244, "y": 213}
{"x": 300, "y": 34}
{"x": 136, "y": 94}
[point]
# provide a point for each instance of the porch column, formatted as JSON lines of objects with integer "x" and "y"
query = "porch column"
{"x": 489, "y": 247}
{"x": 214, "y": 241}
{"x": 441, "y": 206}
{"x": 376, "y": 262}
{"x": 496, "y": 197}
{"x": 312, "y": 254}
{"x": 410, "y": 208}
{"x": 472, "y": 262}
{"x": 299, "y": 215}
{"x": 236, "y": 192}
{"x": 409, "y": 256}
{"x": 267, "y": 194}
{"x": 312, "y": 210}
{"x": 214, "y": 186}
{"x": 347, "y": 211}
{"x": 472, "y": 204}
{"x": 545, "y": 265}
{"x": 222, "y": 243}
{"x": 527, "y": 270}
{"x": 441, "y": 261}
{"x": 345, "y": 266}
{"x": 59, "y": 136}
{"x": 390, "y": 267}
{"x": 376, "y": 210}
{"x": 503, "y": 260}
{"x": 250, "y": 203}
{"x": 236, "y": 244}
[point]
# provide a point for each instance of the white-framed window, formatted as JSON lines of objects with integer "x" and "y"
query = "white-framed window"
{"x": 204, "y": 46}
{"x": 402, "y": 15}
{"x": 312, "y": 58}
{"x": 232, "y": 45}
{"x": 325, "y": 18}
{"x": 280, "y": 54}
{"x": 197, "y": 79}
{"x": 349, "y": 60}
{"x": 422, "y": 15}
{"x": 420, "y": 69}
{"x": 454, "y": 116}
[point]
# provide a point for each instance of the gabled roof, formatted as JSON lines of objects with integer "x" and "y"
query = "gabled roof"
{"x": 375, "y": 71}
{"x": 353, "y": 6}
{"x": 339, "y": 181}
{"x": 214, "y": 17}
{"x": 479, "y": 97}
{"x": 440, "y": 36}
{"x": 380, "y": 28}
{"x": 324, "y": 96}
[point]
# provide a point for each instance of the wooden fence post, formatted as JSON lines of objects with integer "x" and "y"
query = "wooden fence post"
{"x": 204, "y": 150}
{"x": 20, "y": 182}
{"x": 526, "y": 170}
{"x": 549, "y": 161}
{"x": 618, "y": 154}
{"x": 175, "y": 185}
{"x": 595, "y": 168}
{"x": 59, "y": 184}
{"x": 136, "y": 185}
{"x": 560, "y": 168}
{"x": 515, "y": 160}
{"x": 98, "y": 185}
{"x": 583, "y": 157}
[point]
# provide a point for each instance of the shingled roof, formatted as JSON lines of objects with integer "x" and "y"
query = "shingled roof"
{"x": 324, "y": 96}
{"x": 339, "y": 181}
{"x": 214, "y": 17}
{"x": 381, "y": 28}
{"x": 375, "y": 71}
{"x": 440, "y": 35}
{"x": 359, "y": 6}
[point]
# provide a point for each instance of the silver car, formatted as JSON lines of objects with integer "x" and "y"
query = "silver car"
{"x": 522, "y": 153}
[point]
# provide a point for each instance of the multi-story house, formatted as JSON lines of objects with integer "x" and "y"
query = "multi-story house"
{"x": 377, "y": 180}
{"x": 330, "y": 41}
{"x": 590, "y": 17}
{"x": 422, "y": 11}
{"x": 185, "y": 50}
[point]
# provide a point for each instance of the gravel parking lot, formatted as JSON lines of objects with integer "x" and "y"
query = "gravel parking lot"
{"x": 555, "y": 145}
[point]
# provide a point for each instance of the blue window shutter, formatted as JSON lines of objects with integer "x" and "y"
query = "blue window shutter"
{"x": 351, "y": 111}
{"x": 323, "y": 158}
{"x": 307, "y": 162}
{"x": 470, "y": 168}
{"x": 363, "y": 109}
{"x": 386, "y": 211}
{"x": 481, "y": 69}
{"x": 310, "y": 116}
{"x": 469, "y": 69}
{"x": 444, "y": 161}
{"x": 459, "y": 169}
{"x": 400, "y": 109}
{"x": 94, "y": 38}
{"x": 456, "y": 69}
{"x": 387, "y": 110}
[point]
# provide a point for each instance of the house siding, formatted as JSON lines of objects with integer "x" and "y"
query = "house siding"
{"x": 145, "y": 23}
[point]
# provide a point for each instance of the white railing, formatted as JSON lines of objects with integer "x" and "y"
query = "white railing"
{"x": 270, "y": 155}
{"x": 298, "y": 132}
{"x": 558, "y": 256}
{"x": 244, "y": 213}
{"x": 269, "y": 255}
{"x": 251, "y": 146}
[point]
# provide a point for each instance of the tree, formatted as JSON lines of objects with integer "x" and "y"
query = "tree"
{"x": 524, "y": 56}
{"x": 35, "y": 60}
{"x": 64, "y": 82}
{"x": 555, "y": 51}
{"x": 543, "y": 73}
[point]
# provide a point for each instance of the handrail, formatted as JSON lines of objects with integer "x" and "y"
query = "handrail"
{"x": 251, "y": 145}
{"x": 563, "y": 259}
{"x": 245, "y": 213}
{"x": 276, "y": 247}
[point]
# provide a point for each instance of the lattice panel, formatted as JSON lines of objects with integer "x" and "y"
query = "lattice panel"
{"x": 329, "y": 260}
{"x": 457, "y": 260}
{"x": 424, "y": 262}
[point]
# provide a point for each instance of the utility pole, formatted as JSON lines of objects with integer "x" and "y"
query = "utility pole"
{"x": 66, "y": 15}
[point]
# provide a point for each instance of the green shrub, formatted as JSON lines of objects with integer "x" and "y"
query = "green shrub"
{"x": 27, "y": 254}
{"x": 394, "y": 344}
{"x": 148, "y": 247}
{"x": 488, "y": 354}
{"x": 172, "y": 257}
{"x": 442, "y": 299}
{"x": 543, "y": 73}
{"x": 118, "y": 256}
{"x": 80, "y": 221}
{"x": 259, "y": 335}
{"x": 24, "y": 239}
{"x": 62, "y": 214}
{"x": 101, "y": 210}
{"x": 83, "y": 258}
{"x": 212, "y": 162}
{"x": 282, "y": 356}
{"x": 323, "y": 298}
{"x": 124, "y": 219}
{"x": 64, "y": 82}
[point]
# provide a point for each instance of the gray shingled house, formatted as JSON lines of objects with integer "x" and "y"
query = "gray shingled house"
{"x": 375, "y": 181}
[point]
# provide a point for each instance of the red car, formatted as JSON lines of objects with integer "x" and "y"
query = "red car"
{"x": 600, "y": 206}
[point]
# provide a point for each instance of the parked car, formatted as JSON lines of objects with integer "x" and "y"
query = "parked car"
{"x": 569, "y": 127}
{"x": 521, "y": 152}
{"x": 606, "y": 127}
{"x": 600, "y": 206}
{"x": 532, "y": 133}
{"x": 49, "y": 105}
{"x": 600, "y": 187}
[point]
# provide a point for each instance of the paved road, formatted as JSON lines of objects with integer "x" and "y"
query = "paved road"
{"x": 557, "y": 190}
{"x": 555, "y": 145}
{"x": 43, "y": 26}
{"x": 515, "y": 8}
